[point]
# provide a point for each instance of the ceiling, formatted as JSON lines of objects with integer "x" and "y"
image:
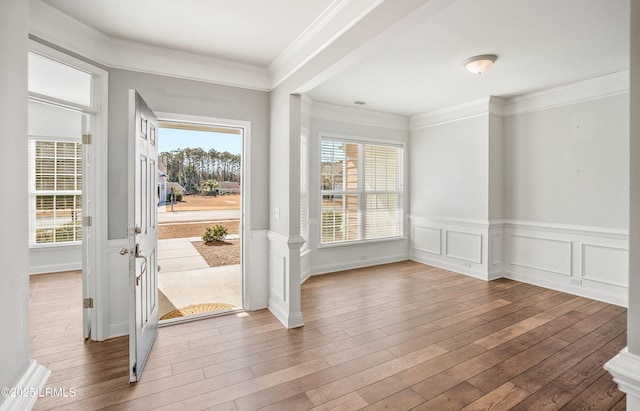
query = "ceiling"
{"x": 539, "y": 43}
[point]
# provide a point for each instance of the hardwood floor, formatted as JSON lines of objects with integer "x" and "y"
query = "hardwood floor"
{"x": 398, "y": 336}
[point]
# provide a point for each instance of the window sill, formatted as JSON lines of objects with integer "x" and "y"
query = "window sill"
{"x": 361, "y": 242}
{"x": 56, "y": 245}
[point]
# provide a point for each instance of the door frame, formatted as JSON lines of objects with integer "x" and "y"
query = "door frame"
{"x": 245, "y": 188}
{"x": 94, "y": 256}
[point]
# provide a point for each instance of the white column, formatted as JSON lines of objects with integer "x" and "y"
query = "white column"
{"x": 17, "y": 370}
{"x": 625, "y": 367}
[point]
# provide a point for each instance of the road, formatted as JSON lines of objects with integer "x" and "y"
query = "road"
{"x": 209, "y": 215}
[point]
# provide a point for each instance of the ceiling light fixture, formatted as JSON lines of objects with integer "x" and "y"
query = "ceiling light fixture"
{"x": 480, "y": 64}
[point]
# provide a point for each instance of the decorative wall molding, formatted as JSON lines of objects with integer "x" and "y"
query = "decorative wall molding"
{"x": 32, "y": 381}
{"x": 528, "y": 250}
{"x": 594, "y": 265}
{"x": 284, "y": 278}
{"x": 335, "y": 20}
{"x": 464, "y": 246}
{"x": 463, "y": 243}
{"x": 51, "y": 25}
{"x": 592, "y": 89}
{"x": 446, "y": 115}
{"x": 573, "y": 259}
{"x": 579, "y": 260}
{"x": 570, "y": 229}
{"x": 582, "y": 91}
{"x": 428, "y": 239}
{"x": 358, "y": 116}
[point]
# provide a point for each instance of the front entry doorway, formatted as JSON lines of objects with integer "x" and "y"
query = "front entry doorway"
{"x": 200, "y": 193}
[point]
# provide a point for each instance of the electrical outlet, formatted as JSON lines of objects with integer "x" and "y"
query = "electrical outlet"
{"x": 576, "y": 281}
{"x": 467, "y": 264}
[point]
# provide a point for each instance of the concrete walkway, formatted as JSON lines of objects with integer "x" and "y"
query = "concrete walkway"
{"x": 185, "y": 278}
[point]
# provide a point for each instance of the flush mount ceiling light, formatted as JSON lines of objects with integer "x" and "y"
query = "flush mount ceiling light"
{"x": 480, "y": 64}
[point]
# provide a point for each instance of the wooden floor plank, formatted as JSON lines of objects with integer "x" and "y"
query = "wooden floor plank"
{"x": 395, "y": 336}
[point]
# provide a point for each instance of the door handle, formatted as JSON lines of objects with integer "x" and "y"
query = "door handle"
{"x": 138, "y": 254}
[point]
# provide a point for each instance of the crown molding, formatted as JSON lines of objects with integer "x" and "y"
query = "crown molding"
{"x": 591, "y": 89}
{"x": 357, "y": 116}
{"x": 582, "y": 91}
{"x": 334, "y": 21}
{"x": 471, "y": 109}
{"x": 51, "y": 25}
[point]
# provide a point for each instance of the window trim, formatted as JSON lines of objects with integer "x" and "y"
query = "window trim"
{"x": 402, "y": 183}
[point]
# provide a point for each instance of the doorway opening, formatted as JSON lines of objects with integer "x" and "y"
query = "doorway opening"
{"x": 200, "y": 211}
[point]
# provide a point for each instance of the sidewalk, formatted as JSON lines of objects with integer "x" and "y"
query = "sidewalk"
{"x": 185, "y": 278}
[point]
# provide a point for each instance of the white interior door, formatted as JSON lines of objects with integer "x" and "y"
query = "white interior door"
{"x": 143, "y": 233}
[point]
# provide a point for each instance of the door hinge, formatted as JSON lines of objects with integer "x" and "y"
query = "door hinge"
{"x": 86, "y": 139}
{"x": 87, "y": 303}
{"x": 87, "y": 221}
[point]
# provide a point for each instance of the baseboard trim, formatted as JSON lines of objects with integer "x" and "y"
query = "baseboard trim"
{"x": 625, "y": 369}
{"x": 118, "y": 330}
{"x": 619, "y": 300}
{"x": 55, "y": 268}
{"x": 331, "y": 268}
{"x": 32, "y": 381}
{"x": 450, "y": 267}
{"x": 288, "y": 320}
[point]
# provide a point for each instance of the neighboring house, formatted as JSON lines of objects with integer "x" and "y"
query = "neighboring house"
{"x": 229, "y": 187}
{"x": 177, "y": 186}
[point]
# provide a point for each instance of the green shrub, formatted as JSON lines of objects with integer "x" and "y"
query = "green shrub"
{"x": 216, "y": 233}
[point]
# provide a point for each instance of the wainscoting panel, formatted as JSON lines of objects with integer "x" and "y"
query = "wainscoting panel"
{"x": 464, "y": 246}
{"x": 605, "y": 265}
{"x": 579, "y": 260}
{"x": 542, "y": 254}
{"x": 584, "y": 261}
{"x": 427, "y": 239}
{"x": 453, "y": 244}
{"x": 278, "y": 280}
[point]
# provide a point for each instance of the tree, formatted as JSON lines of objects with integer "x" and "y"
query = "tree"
{"x": 209, "y": 185}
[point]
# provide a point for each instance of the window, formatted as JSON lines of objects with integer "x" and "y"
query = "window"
{"x": 60, "y": 113}
{"x": 56, "y": 191}
{"x": 361, "y": 190}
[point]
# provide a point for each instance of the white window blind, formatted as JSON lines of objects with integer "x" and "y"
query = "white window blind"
{"x": 56, "y": 191}
{"x": 361, "y": 191}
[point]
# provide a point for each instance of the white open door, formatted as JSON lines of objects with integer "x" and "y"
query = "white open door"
{"x": 143, "y": 233}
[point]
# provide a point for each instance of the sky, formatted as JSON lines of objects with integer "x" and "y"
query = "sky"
{"x": 170, "y": 139}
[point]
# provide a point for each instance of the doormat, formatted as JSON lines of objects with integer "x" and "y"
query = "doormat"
{"x": 196, "y": 309}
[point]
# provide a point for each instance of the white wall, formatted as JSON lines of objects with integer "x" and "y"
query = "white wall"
{"x": 449, "y": 169}
{"x": 569, "y": 165}
{"x": 566, "y": 191}
{"x": 14, "y": 248}
{"x": 540, "y": 195}
{"x": 55, "y": 259}
{"x": 353, "y": 123}
{"x": 456, "y": 167}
